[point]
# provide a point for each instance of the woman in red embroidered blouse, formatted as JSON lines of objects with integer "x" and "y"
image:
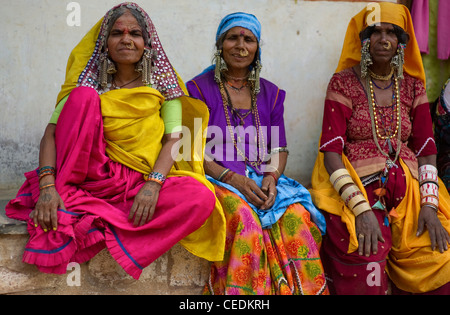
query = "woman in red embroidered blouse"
{"x": 381, "y": 197}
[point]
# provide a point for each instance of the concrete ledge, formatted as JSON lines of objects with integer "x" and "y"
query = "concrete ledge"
{"x": 176, "y": 272}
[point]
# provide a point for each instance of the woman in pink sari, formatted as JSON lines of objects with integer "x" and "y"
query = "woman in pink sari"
{"x": 107, "y": 177}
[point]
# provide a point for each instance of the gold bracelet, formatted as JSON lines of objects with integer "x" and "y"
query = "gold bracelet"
{"x": 46, "y": 186}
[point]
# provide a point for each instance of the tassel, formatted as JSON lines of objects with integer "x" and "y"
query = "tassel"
{"x": 380, "y": 192}
{"x": 393, "y": 213}
{"x": 386, "y": 221}
{"x": 378, "y": 205}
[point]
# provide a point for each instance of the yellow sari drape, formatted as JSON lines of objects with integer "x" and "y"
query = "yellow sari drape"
{"x": 133, "y": 129}
{"x": 139, "y": 151}
{"x": 411, "y": 265}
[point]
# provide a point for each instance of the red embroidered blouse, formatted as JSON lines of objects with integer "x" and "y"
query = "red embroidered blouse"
{"x": 347, "y": 126}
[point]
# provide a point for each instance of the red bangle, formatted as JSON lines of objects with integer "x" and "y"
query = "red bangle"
{"x": 273, "y": 175}
{"x": 227, "y": 177}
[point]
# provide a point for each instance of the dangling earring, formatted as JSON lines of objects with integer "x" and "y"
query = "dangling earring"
{"x": 107, "y": 68}
{"x": 398, "y": 60}
{"x": 145, "y": 67}
{"x": 366, "y": 58}
{"x": 255, "y": 75}
{"x": 221, "y": 66}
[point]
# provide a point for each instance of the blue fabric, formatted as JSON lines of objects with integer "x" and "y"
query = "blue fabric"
{"x": 241, "y": 19}
{"x": 289, "y": 192}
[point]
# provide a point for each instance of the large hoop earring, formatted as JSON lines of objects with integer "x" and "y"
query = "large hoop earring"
{"x": 366, "y": 58}
{"x": 107, "y": 68}
{"x": 255, "y": 75}
{"x": 221, "y": 66}
{"x": 398, "y": 60}
{"x": 145, "y": 67}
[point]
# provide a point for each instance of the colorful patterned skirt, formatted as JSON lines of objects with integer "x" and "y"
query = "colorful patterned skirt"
{"x": 281, "y": 260}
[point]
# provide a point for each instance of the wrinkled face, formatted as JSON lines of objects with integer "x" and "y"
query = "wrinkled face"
{"x": 126, "y": 42}
{"x": 239, "y": 48}
{"x": 383, "y": 43}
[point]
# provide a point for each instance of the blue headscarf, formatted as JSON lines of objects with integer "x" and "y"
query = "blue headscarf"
{"x": 241, "y": 19}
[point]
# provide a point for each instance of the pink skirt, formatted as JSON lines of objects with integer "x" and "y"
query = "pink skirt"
{"x": 98, "y": 194}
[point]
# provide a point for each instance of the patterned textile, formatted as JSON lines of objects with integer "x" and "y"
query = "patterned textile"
{"x": 83, "y": 65}
{"x": 289, "y": 192}
{"x": 283, "y": 260}
{"x": 98, "y": 194}
{"x": 347, "y": 121}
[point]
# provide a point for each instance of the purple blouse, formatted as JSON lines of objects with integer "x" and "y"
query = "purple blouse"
{"x": 220, "y": 145}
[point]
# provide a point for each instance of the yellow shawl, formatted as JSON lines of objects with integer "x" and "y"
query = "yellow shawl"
{"x": 208, "y": 242}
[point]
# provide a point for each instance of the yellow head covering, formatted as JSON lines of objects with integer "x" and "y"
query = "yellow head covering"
{"x": 208, "y": 241}
{"x": 383, "y": 12}
{"x": 82, "y": 66}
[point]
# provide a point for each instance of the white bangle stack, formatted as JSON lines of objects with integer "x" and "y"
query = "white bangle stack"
{"x": 352, "y": 195}
{"x": 429, "y": 186}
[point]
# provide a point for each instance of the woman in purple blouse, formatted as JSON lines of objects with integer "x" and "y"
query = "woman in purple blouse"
{"x": 274, "y": 231}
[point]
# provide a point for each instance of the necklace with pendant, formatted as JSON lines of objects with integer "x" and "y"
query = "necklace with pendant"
{"x": 259, "y": 137}
{"x": 390, "y": 163}
{"x": 236, "y": 89}
{"x": 121, "y": 86}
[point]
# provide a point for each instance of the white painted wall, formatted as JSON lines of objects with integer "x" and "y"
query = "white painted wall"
{"x": 301, "y": 44}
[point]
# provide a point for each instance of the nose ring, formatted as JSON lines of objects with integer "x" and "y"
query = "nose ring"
{"x": 130, "y": 45}
{"x": 388, "y": 45}
{"x": 243, "y": 53}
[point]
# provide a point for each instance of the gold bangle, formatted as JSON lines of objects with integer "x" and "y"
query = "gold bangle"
{"x": 46, "y": 186}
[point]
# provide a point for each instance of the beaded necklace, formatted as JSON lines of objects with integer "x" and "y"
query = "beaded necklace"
{"x": 254, "y": 111}
{"x": 374, "y": 120}
{"x": 381, "y": 77}
{"x": 383, "y": 88}
{"x": 395, "y": 96}
{"x": 381, "y": 192}
{"x": 236, "y": 89}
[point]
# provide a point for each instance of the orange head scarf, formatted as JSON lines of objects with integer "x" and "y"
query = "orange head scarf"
{"x": 383, "y": 12}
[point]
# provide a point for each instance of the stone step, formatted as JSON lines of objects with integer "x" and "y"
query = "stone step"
{"x": 7, "y": 225}
{"x": 177, "y": 272}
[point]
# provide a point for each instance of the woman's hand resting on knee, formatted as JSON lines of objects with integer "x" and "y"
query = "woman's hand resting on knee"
{"x": 144, "y": 204}
{"x": 368, "y": 233}
{"x": 45, "y": 213}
